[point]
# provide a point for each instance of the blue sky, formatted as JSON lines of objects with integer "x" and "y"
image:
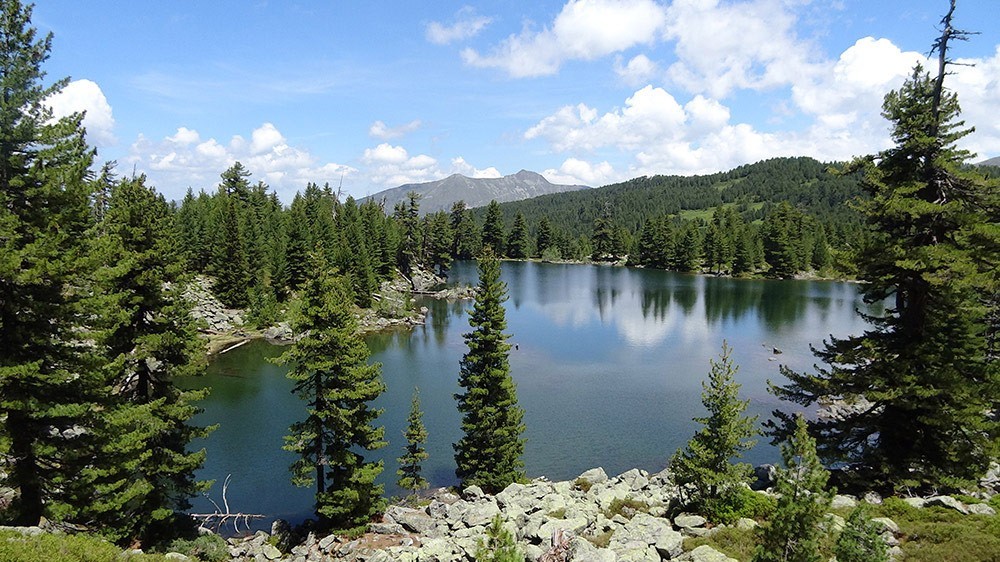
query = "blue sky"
{"x": 585, "y": 91}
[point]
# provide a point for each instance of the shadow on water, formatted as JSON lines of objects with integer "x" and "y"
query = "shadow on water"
{"x": 608, "y": 364}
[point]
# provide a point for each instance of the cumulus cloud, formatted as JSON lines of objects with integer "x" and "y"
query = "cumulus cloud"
{"x": 86, "y": 95}
{"x": 467, "y": 24}
{"x": 460, "y": 166}
{"x": 639, "y": 70}
{"x": 583, "y": 30}
{"x": 391, "y": 166}
{"x": 382, "y": 131}
{"x": 580, "y": 172}
{"x": 724, "y": 47}
{"x": 185, "y": 159}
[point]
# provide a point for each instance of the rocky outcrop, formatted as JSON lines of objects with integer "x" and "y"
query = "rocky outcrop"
{"x": 216, "y": 318}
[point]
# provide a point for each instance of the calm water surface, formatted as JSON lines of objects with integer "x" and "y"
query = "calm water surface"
{"x": 608, "y": 364}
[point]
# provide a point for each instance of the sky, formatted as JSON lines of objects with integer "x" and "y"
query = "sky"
{"x": 369, "y": 95}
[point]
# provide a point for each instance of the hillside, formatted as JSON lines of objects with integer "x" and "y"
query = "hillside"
{"x": 754, "y": 188}
{"x": 995, "y": 161}
{"x": 476, "y": 192}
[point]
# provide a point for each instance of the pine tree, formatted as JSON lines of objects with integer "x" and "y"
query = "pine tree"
{"x": 545, "y": 237}
{"x": 489, "y": 453}
{"x": 517, "y": 242}
{"x": 861, "y": 539}
{"x": 145, "y": 470}
{"x": 411, "y": 463}
{"x": 705, "y": 464}
{"x": 493, "y": 229}
{"x": 47, "y": 381}
{"x": 330, "y": 370}
{"x": 793, "y": 533}
{"x": 922, "y": 376}
{"x": 407, "y": 215}
{"x": 499, "y": 545}
{"x": 466, "y": 237}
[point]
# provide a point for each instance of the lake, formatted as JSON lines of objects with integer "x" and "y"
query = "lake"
{"x": 608, "y": 363}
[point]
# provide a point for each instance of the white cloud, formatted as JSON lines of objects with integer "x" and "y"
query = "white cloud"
{"x": 382, "y": 131}
{"x": 979, "y": 96}
{"x": 86, "y": 95}
{"x": 637, "y": 71}
{"x": 583, "y": 30}
{"x": 465, "y": 26}
{"x": 725, "y": 47}
{"x": 185, "y": 160}
{"x": 579, "y": 172}
{"x": 460, "y": 166}
{"x": 390, "y": 166}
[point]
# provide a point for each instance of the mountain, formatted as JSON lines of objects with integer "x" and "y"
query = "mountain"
{"x": 995, "y": 161}
{"x": 476, "y": 192}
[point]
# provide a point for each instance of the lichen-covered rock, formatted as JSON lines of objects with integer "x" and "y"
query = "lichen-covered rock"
{"x": 705, "y": 553}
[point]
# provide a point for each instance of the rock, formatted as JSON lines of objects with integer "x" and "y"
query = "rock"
{"x": 593, "y": 476}
{"x": 270, "y": 552}
{"x": 472, "y": 493}
{"x": 766, "y": 475}
{"x": 705, "y": 553}
{"x": 840, "y": 501}
{"x": 645, "y": 530}
{"x": 582, "y": 550}
{"x": 980, "y": 509}
{"x": 949, "y": 502}
{"x": 175, "y": 556}
{"x": 745, "y": 524}
{"x": 387, "y": 529}
{"x": 872, "y": 498}
{"x": 481, "y": 514}
{"x": 915, "y": 502}
{"x": 833, "y": 523}
{"x": 327, "y": 542}
{"x": 688, "y": 521}
{"x": 886, "y": 525}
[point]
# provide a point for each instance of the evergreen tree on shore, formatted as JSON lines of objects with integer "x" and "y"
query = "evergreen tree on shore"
{"x": 47, "y": 383}
{"x": 414, "y": 455}
{"x": 921, "y": 378}
{"x": 144, "y": 470}
{"x": 706, "y": 462}
{"x": 330, "y": 370}
{"x": 489, "y": 453}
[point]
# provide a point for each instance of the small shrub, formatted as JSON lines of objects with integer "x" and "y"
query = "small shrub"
{"x": 585, "y": 485}
{"x": 499, "y": 545}
{"x": 207, "y": 548}
{"x": 994, "y": 502}
{"x": 741, "y": 502}
{"x": 735, "y": 543}
{"x": 15, "y": 547}
{"x": 860, "y": 540}
{"x": 627, "y": 508}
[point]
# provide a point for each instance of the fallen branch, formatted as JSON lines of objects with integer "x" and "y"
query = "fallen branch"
{"x": 219, "y": 518}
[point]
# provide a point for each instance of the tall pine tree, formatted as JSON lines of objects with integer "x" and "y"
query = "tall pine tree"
{"x": 331, "y": 373}
{"x": 921, "y": 378}
{"x": 489, "y": 453}
{"x": 47, "y": 390}
{"x": 414, "y": 455}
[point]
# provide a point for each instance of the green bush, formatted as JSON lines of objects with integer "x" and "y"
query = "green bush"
{"x": 740, "y": 502}
{"x": 499, "y": 545}
{"x": 627, "y": 508}
{"x": 15, "y": 547}
{"x": 207, "y": 548}
{"x": 861, "y": 541}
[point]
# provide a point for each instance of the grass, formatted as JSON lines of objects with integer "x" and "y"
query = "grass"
{"x": 933, "y": 534}
{"x": 602, "y": 540}
{"x": 582, "y": 485}
{"x": 627, "y": 508}
{"x": 15, "y": 547}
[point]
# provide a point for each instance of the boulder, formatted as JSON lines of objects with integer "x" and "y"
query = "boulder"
{"x": 705, "y": 553}
{"x": 645, "y": 530}
{"x": 689, "y": 521}
{"x": 980, "y": 509}
{"x": 949, "y": 502}
{"x": 840, "y": 501}
{"x": 766, "y": 475}
{"x": 593, "y": 476}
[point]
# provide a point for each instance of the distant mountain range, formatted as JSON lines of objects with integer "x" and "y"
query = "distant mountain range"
{"x": 995, "y": 161}
{"x": 476, "y": 192}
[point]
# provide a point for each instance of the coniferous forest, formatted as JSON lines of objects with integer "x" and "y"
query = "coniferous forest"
{"x": 96, "y": 436}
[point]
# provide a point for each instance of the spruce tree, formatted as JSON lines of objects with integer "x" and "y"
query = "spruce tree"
{"x": 517, "y": 242}
{"x": 861, "y": 539}
{"x": 793, "y": 532}
{"x": 466, "y": 236}
{"x": 921, "y": 378}
{"x": 232, "y": 271}
{"x": 493, "y": 229}
{"x": 330, "y": 370}
{"x": 145, "y": 469}
{"x": 489, "y": 453}
{"x": 411, "y": 463}
{"x": 706, "y": 465}
{"x": 545, "y": 237}
{"x": 47, "y": 381}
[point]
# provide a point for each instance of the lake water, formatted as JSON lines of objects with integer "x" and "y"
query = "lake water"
{"x": 608, "y": 364}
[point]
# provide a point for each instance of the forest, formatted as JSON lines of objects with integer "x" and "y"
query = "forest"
{"x": 95, "y": 434}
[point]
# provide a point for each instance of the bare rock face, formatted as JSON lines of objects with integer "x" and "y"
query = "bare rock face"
{"x": 206, "y": 308}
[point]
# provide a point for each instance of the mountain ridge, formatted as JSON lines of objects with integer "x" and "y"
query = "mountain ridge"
{"x": 439, "y": 195}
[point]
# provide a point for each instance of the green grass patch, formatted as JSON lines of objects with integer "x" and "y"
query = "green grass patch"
{"x": 15, "y": 547}
{"x": 943, "y": 535}
{"x": 583, "y": 485}
{"x": 601, "y": 540}
{"x": 627, "y": 508}
{"x": 735, "y": 543}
